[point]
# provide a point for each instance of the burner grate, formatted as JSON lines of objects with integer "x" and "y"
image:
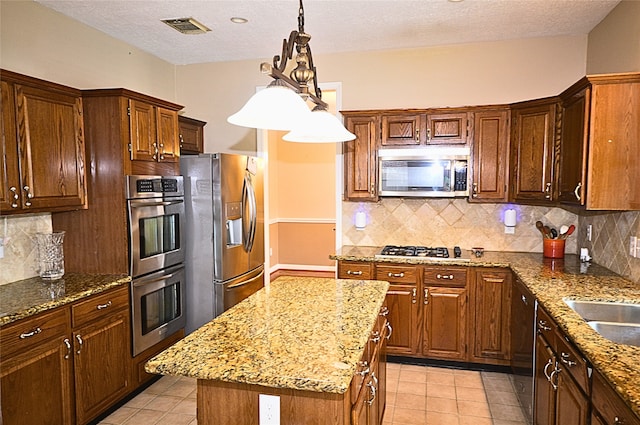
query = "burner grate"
{"x": 415, "y": 251}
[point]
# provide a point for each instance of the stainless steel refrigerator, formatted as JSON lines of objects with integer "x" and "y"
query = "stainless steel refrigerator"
{"x": 224, "y": 211}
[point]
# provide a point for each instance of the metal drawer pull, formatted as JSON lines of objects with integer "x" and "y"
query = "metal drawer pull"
{"x": 388, "y": 325}
{"x": 426, "y": 296}
{"x": 365, "y": 368}
{"x": 372, "y": 384}
{"x": 25, "y": 335}
{"x": 395, "y": 274}
{"x": 554, "y": 372}
{"x": 618, "y": 421}
{"x": 384, "y": 311}
{"x": 549, "y": 363}
{"x": 414, "y": 293}
{"x": 357, "y": 273}
{"x": 542, "y": 325}
{"x": 80, "y": 342}
{"x": 103, "y": 306}
{"x": 524, "y": 300}
{"x": 444, "y": 276}
{"x": 375, "y": 336}
{"x": 68, "y": 344}
{"x": 564, "y": 358}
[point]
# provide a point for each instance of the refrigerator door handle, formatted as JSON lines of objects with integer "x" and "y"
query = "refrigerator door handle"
{"x": 249, "y": 198}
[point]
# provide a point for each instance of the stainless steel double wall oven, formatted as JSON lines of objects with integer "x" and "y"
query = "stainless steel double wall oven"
{"x": 156, "y": 218}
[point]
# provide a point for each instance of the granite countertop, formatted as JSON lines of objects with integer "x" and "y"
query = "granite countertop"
{"x": 551, "y": 280}
{"x": 24, "y": 298}
{"x": 298, "y": 333}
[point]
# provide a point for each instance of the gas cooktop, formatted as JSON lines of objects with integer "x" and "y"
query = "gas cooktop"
{"x": 436, "y": 253}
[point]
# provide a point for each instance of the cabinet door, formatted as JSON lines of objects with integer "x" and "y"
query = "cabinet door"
{"x": 532, "y": 151}
{"x": 402, "y": 302}
{"x": 447, "y": 128}
{"x": 445, "y": 320}
{"x": 573, "y": 148}
{"x": 102, "y": 364}
{"x": 492, "y": 305}
{"x": 544, "y": 392}
{"x": 168, "y": 135}
{"x": 51, "y": 149}
{"x": 191, "y": 135}
{"x": 354, "y": 270}
{"x": 572, "y": 407}
{"x": 142, "y": 125}
{"x": 10, "y": 191}
{"x": 490, "y": 156}
{"x": 36, "y": 385}
{"x": 403, "y": 129}
{"x": 360, "y": 159}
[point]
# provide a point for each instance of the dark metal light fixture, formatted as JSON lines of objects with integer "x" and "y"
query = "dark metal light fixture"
{"x": 281, "y": 106}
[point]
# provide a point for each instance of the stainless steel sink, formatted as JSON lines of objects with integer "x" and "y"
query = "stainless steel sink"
{"x": 622, "y": 333}
{"x": 603, "y": 311}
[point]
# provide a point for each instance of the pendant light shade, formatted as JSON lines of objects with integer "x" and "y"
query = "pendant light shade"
{"x": 277, "y": 107}
{"x": 320, "y": 126}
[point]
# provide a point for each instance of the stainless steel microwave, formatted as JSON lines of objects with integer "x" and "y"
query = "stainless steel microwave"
{"x": 424, "y": 172}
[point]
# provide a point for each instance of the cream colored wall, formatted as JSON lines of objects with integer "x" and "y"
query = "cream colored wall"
{"x": 614, "y": 44}
{"x": 468, "y": 74}
{"x": 37, "y": 41}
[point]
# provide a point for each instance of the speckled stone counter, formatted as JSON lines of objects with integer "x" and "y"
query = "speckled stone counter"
{"x": 298, "y": 333}
{"x": 551, "y": 281}
{"x": 28, "y": 297}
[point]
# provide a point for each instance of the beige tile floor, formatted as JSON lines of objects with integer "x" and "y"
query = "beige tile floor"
{"x": 416, "y": 395}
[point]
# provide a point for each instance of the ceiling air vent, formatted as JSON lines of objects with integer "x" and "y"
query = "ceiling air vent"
{"x": 186, "y": 25}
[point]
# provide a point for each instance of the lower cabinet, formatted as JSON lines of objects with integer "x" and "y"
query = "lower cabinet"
{"x": 607, "y": 406}
{"x": 69, "y": 365}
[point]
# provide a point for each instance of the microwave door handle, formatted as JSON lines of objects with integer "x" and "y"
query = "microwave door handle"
{"x": 154, "y": 204}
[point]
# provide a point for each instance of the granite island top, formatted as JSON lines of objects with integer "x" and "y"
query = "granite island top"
{"x": 550, "y": 281}
{"x": 298, "y": 333}
{"x": 24, "y": 298}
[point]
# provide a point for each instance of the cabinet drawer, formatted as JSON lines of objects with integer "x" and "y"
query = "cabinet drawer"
{"x": 100, "y": 305}
{"x": 447, "y": 276}
{"x": 354, "y": 270}
{"x": 25, "y": 334}
{"x": 397, "y": 274}
{"x": 545, "y": 326}
{"x": 609, "y": 404}
{"x": 571, "y": 360}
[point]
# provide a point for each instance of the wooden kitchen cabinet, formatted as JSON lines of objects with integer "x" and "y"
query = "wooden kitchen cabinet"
{"x": 608, "y": 407}
{"x": 444, "y": 301}
{"x": 533, "y": 146}
{"x": 154, "y": 134}
{"x": 191, "y": 135}
{"x": 355, "y": 270}
{"x": 425, "y": 127}
{"x": 490, "y": 156}
{"x": 491, "y": 301}
{"x": 402, "y": 301}
{"x": 448, "y": 127}
{"x": 361, "y": 157}
{"x": 599, "y": 166}
{"x": 42, "y": 146}
{"x": 403, "y": 129}
{"x": 36, "y": 371}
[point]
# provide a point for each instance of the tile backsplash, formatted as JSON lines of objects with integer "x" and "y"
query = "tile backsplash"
{"x": 20, "y": 259}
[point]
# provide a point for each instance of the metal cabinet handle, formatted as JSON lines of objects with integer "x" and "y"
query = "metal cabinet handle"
{"x": 372, "y": 384}
{"x": 15, "y": 196}
{"x": 27, "y": 190}
{"x": 25, "y": 335}
{"x": 372, "y": 190}
{"x": 564, "y": 358}
{"x": 80, "y": 342}
{"x": 542, "y": 325}
{"x": 428, "y": 134}
{"x": 395, "y": 274}
{"x": 414, "y": 293}
{"x": 576, "y": 191}
{"x": 103, "y": 306}
{"x": 555, "y": 372}
{"x": 418, "y": 135}
{"x": 356, "y": 273}
{"x": 474, "y": 190}
{"x": 549, "y": 363}
{"x": 375, "y": 337}
{"x": 524, "y": 300}
{"x": 618, "y": 421}
{"x": 547, "y": 191}
{"x": 444, "y": 276}
{"x": 388, "y": 325}
{"x": 68, "y": 344}
{"x": 181, "y": 140}
{"x": 426, "y": 296}
{"x": 365, "y": 368}
{"x": 384, "y": 311}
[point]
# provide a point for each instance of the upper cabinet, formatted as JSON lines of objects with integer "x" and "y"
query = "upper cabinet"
{"x": 425, "y": 127}
{"x": 154, "y": 134}
{"x": 599, "y": 166}
{"x": 191, "y": 135}
{"x": 490, "y": 169}
{"x": 533, "y": 142}
{"x": 360, "y": 157}
{"x": 42, "y": 146}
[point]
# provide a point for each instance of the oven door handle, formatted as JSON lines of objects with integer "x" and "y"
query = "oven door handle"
{"x": 145, "y": 282}
{"x": 136, "y": 204}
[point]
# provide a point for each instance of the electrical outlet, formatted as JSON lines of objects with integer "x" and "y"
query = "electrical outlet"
{"x": 589, "y": 232}
{"x": 269, "y": 409}
{"x": 633, "y": 244}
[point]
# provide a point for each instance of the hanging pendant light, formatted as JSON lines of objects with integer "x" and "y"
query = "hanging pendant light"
{"x": 275, "y": 109}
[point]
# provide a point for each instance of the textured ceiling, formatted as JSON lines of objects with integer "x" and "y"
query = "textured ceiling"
{"x": 335, "y": 25}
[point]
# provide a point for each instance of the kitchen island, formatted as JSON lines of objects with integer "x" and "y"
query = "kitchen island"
{"x": 300, "y": 339}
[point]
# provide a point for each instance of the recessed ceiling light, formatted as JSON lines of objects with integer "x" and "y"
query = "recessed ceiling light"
{"x": 186, "y": 25}
{"x": 238, "y": 20}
